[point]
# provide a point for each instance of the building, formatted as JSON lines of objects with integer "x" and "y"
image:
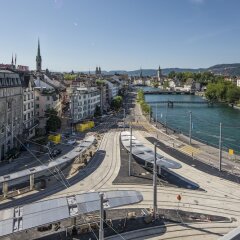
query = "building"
{"x": 29, "y": 120}
{"x": 98, "y": 71}
{"x": 11, "y": 104}
{"x": 113, "y": 89}
{"x": 46, "y": 97}
{"x": 38, "y": 59}
{"x": 84, "y": 102}
{"x": 238, "y": 82}
{"x": 159, "y": 76}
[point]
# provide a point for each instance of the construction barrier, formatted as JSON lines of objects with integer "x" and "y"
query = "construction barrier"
{"x": 55, "y": 138}
{"x": 81, "y": 127}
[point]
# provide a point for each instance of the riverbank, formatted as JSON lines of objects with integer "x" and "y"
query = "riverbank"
{"x": 197, "y": 150}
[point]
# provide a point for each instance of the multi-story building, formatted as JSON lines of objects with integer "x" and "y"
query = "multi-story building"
{"x": 11, "y": 103}
{"x": 46, "y": 97}
{"x": 113, "y": 89}
{"x": 29, "y": 120}
{"x": 84, "y": 102}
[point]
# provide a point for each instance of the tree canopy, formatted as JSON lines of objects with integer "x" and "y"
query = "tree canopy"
{"x": 117, "y": 102}
{"x": 223, "y": 92}
{"x": 202, "y": 77}
{"x": 53, "y": 122}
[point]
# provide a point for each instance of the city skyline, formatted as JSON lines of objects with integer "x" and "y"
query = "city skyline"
{"x": 120, "y": 35}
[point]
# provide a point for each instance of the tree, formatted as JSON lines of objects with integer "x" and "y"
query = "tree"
{"x": 117, "y": 102}
{"x": 97, "y": 112}
{"x": 172, "y": 74}
{"x": 166, "y": 84}
{"x": 53, "y": 122}
{"x": 211, "y": 92}
{"x": 233, "y": 94}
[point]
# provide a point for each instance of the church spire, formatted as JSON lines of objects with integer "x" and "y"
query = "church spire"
{"x": 38, "y": 59}
{"x": 12, "y": 59}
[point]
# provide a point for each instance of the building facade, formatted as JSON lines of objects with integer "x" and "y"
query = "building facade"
{"x": 11, "y": 104}
{"x": 84, "y": 102}
{"x": 29, "y": 120}
{"x": 46, "y": 97}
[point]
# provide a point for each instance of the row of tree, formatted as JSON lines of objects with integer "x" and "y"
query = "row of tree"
{"x": 203, "y": 77}
{"x": 223, "y": 91}
{"x": 141, "y": 100}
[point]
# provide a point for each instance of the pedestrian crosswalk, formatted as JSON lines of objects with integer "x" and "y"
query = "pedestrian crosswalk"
{"x": 189, "y": 150}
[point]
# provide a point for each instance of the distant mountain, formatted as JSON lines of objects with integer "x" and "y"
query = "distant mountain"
{"x": 153, "y": 72}
{"x": 226, "y": 69}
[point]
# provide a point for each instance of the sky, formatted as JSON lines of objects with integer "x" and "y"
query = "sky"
{"x": 120, "y": 34}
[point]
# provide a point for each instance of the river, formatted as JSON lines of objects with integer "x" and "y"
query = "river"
{"x": 205, "y": 119}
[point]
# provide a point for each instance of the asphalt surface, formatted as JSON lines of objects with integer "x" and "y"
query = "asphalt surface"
{"x": 121, "y": 224}
{"x": 194, "y": 162}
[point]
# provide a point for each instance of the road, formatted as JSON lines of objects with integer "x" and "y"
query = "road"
{"x": 221, "y": 197}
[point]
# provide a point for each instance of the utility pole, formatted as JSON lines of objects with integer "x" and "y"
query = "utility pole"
{"x": 156, "y": 114}
{"x": 190, "y": 128}
{"x": 166, "y": 117}
{"x": 73, "y": 106}
{"x": 101, "y": 232}
{"x": 220, "y": 147}
{"x": 155, "y": 209}
{"x": 124, "y": 116}
{"x": 130, "y": 153}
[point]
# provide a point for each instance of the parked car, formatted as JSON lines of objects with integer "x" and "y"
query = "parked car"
{"x": 71, "y": 141}
{"x": 55, "y": 152}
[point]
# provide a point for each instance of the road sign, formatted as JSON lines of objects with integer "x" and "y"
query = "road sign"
{"x": 179, "y": 198}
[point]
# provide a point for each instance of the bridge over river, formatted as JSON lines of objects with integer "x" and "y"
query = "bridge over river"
{"x": 171, "y": 103}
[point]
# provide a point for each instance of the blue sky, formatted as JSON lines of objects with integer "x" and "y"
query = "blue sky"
{"x": 120, "y": 34}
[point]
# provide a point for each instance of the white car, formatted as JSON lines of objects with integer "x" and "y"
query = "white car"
{"x": 71, "y": 141}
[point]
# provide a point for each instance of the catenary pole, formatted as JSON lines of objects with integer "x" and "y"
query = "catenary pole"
{"x": 155, "y": 182}
{"x": 220, "y": 147}
{"x": 101, "y": 233}
{"x": 190, "y": 127}
{"x": 130, "y": 153}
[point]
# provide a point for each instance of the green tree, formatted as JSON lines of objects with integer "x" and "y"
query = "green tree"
{"x": 117, "y": 102}
{"x": 166, "y": 84}
{"x": 233, "y": 94}
{"x": 211, "y": 92}
{"x": 97, "y": 112}
{"x": 53, "y": 122}
{"x": 172, "y": 74}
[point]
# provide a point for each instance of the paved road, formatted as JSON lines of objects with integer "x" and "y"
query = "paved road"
{"x": 221, "y": 197}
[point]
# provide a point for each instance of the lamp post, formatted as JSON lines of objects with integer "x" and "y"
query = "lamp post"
{"x": 220, "y": 147}
{"x": 190, "y": 128}
{"x": 130, "y": 153}
{"x": 155, "y": 209}
{"x": 101, "y": 231}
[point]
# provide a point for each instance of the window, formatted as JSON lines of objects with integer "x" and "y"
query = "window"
{"x": 24, "y": 107}
{"x": 32, "y": 96}
{"x": 24, "y": 97}
{"x": 32, "y": 114}
{"x": 32, "y": 104}
{"x": 37, "y": 98}
{"x": 28, "y": 96}
{"x": 9, "y": 105}
{"x": 29, "y": 115}
{"x": 25, "y": 117}
{"x": 48, "y": 98}
{"x": 37, "y": 106}
{"x": 28, "y": 105}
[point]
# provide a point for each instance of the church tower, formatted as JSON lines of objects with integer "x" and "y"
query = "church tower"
{"x": 159, "y": 74}
{"x": 38, "y": 59}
